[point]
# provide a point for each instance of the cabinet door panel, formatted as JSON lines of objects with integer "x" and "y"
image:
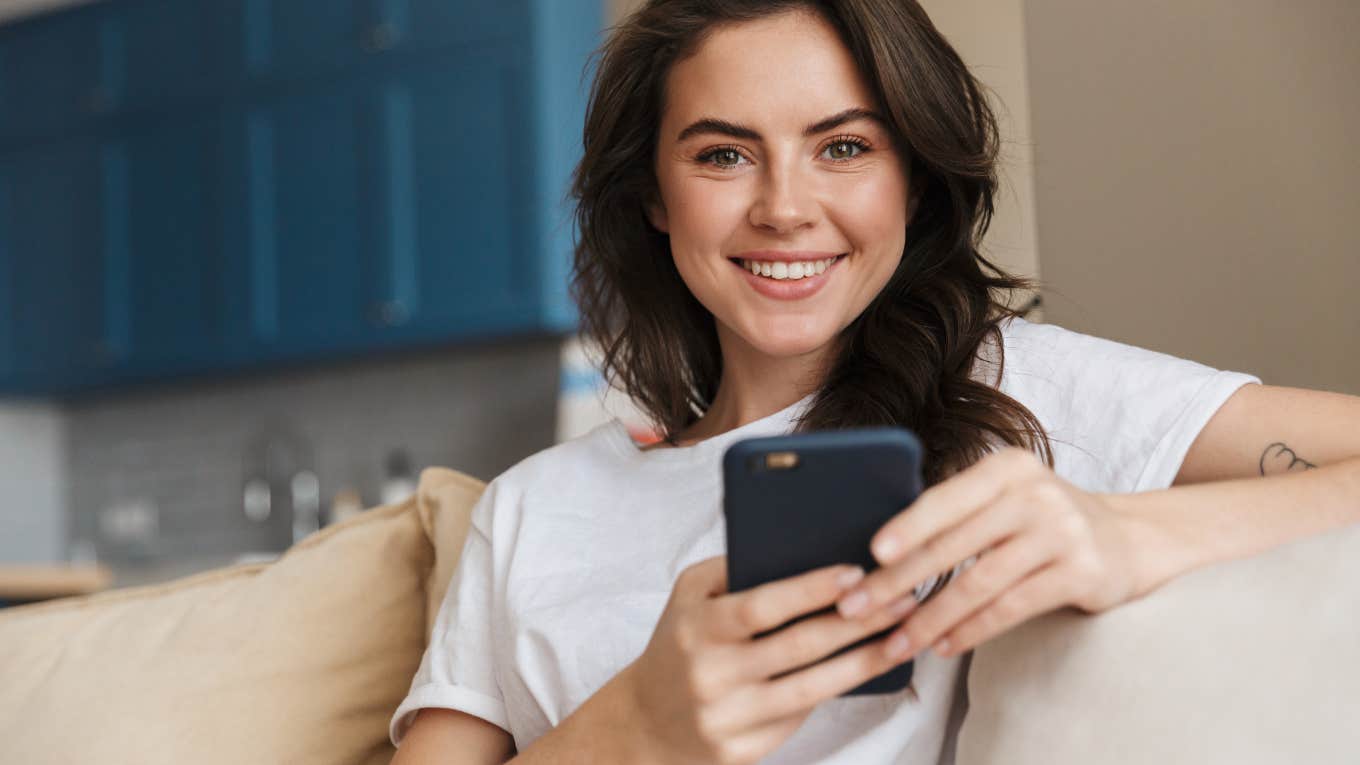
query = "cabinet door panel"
{"x": 303, "y": 217}
{"x": 10, "y": 374}
{"x": 452, "y": 213}
{"x": 288, "y": 39}
{"x": 51, "y": 259}
{"x": 160, "y": 252}
{"x": 158, "y": 53}
{"x": 49, "y": 74}
{"x": 429, "y": 24}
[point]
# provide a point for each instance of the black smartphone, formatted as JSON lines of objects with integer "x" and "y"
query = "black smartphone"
{"x": 798, "y": 502}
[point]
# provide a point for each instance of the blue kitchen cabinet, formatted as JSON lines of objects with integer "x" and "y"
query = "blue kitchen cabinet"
{"x": 159, "y": 248}
{"x": 50, "y": 292}
{"x": 49, "y": 76}
{"x": 159, "y": 56}
{"x": 203, "y": 187}
{"x": 108, "y": 260}
{"x": 294, "y": 224}
{"x": 451, "y": 233}
{"x": 290, "y": 41}
{"x": 368, "y": 214}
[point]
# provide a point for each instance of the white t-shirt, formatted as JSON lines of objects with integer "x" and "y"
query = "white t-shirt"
{"x": 572, "y": 553}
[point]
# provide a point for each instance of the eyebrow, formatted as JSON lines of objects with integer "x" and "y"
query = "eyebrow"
{"x": 723, "y": 127}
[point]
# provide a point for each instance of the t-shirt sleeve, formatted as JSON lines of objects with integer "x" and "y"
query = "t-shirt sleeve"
{"x": 457, "y": 670}
{"x": 1120, "y": 418}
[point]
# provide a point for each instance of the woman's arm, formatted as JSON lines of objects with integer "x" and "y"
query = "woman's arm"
{"x": 1265, "y": 430}
{"x": 1049, "y": 544}
{"x": 598, "y": 731}
{"x": 446, "y": 735}
{"x": 1185, "y": 527}
{"x": 1302, "y": 441}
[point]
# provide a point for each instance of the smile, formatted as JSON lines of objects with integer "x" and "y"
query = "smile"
{"x": 778, "y": 269}
{"x": 788, "y": 280}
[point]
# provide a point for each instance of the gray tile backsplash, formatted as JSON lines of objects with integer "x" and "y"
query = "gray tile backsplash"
{"x": 173, "y": 461}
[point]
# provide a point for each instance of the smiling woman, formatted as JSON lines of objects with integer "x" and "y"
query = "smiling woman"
{"x": 765, "y": 134}
{"x": 780, "y": 206}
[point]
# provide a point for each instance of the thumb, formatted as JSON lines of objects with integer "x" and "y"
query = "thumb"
{"x": 704, "y": 579}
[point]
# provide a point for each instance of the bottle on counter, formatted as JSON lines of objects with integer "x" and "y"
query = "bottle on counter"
{"x": 400, "y": 481}
{"x": 345, "y": 504}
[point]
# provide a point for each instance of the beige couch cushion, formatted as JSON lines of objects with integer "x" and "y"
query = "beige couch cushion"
{"x": 1250, "y": 661}
{"x": 299, "y": 661}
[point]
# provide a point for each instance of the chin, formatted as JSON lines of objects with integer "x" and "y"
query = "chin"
{"x": 783, "y": 342}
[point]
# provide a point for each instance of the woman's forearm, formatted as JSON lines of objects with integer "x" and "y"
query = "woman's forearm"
{"x": 599, "y": 731}
{"x": 1185, "y": 527}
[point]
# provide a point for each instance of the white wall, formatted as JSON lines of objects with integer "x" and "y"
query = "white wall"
{"x": 32, "y": 481}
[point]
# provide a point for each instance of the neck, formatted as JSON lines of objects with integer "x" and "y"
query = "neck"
{"x": 755, "y": 385}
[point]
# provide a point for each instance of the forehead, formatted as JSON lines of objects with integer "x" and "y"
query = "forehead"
{"x": 780, "y": 72}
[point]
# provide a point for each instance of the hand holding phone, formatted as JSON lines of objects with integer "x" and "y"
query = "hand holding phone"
{"x": 709, "y": 688}
{"x": 805, "y": 501}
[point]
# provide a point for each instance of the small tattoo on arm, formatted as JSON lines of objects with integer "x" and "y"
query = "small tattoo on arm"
{"x": 1279, "y": 458}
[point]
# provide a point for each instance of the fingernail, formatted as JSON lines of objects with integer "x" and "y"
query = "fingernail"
{"x": 853, "y": 603}
{"x": 898, "y": 646}
{"x": 941, "y": 647}
{"x": 885, "y": 548}
{"x": 850, "y": 578}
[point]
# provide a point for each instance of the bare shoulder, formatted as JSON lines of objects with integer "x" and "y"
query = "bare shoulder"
{"x": 446, "y": 735}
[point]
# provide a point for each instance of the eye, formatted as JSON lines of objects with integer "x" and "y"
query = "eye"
{"x": 722, "y": 156}
{"x": 842, "y": 149}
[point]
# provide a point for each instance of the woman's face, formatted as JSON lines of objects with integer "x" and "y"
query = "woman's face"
{"x": 770, "y": 158}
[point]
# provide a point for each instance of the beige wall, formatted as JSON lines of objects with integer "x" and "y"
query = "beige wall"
{"x": 990, "y": 36}
{"x": 1197, "y": 179}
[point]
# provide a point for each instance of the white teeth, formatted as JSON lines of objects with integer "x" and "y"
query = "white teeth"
{"x": 782, "y": 270}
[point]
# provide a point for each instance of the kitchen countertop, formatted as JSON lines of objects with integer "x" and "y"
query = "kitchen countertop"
{"x": 33, "y": 582}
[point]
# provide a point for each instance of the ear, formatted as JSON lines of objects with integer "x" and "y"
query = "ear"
{"x": 656, "y": 215}
{"x": 915, "y": 202}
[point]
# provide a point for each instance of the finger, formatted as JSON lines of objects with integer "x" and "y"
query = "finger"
{"x": 809, "y": 640}
{"x": 1037, "y": 594}
{"x": 751, "y": 744}
{"x": 758, "y": 702}
{"x": 945, "y": 503}
{"x": 980, "y": 531}
{"x": 740, "y": 615}
{"x": 990, "y": 578}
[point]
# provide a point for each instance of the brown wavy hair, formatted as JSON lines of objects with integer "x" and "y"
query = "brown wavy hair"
{"x": 907, "y": 360}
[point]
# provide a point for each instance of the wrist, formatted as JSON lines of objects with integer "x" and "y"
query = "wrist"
{"x": 603, "y": 729}
{"x": 1154, "y": 550}
{"x": 617, "y": 705}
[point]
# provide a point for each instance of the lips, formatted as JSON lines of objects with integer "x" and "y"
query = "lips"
{"x": 789, "y": 289}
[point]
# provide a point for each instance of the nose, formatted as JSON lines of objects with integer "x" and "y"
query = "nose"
{"x": 783, "y": 201}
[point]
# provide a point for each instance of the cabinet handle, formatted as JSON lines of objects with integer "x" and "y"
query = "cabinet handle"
{"x": 379, "y": 37}
{"x": 388, "y": 313}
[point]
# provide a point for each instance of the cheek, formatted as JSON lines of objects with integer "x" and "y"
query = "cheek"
{"x": 704, "y": 213}
{"x": 872, "y": 212}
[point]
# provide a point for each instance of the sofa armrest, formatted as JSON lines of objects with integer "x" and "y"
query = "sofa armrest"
{"x": 1255, "y": 660}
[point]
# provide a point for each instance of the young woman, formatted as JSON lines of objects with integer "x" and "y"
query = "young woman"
{"x": 780, "y": 206}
